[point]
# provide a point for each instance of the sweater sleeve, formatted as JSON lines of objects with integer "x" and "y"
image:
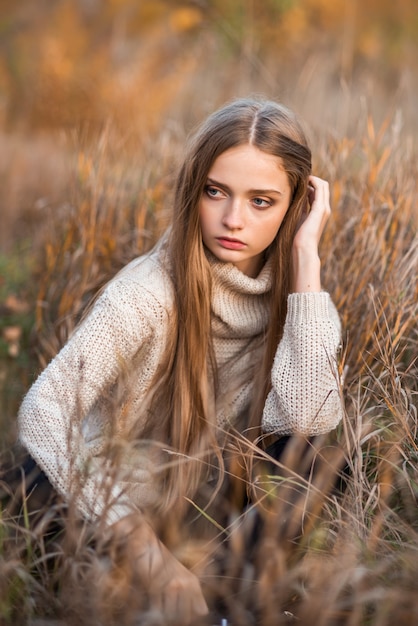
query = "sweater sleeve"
{"x": 51, "y": 417}
{"x": 305, "y": 395}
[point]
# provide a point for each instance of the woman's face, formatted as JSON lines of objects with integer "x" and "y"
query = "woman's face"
{"x": 245, "y": 199}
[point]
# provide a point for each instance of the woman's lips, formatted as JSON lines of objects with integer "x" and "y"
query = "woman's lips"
{"x": 230, "y": 244}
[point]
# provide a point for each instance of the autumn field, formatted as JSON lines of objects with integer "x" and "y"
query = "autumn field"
{"x": 96, "y": 100}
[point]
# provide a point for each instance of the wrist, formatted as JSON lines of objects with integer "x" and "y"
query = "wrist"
{"x": 133, "y": 533}
{"x": 306, "y": 271}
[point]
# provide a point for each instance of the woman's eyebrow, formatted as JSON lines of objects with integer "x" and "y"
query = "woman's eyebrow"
{"x": 216, "y": 183}
{"x": 264, "y": 192}
{"x": 251, "y": 192}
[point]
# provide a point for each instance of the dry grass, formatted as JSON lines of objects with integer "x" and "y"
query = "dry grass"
{"x": 89, "y": 200}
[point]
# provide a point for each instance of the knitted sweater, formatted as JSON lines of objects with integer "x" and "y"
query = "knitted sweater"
{"x": 70, "y": 410}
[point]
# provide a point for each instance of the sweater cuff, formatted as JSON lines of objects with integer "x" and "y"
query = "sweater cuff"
{"x": 117, "y": 512}
{"x": 308, "y": 307}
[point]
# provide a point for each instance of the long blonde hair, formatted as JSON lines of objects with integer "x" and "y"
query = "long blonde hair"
{"x": 182, "y": 397}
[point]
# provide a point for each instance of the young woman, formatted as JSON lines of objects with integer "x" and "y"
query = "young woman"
{"x": 221, "y": 328}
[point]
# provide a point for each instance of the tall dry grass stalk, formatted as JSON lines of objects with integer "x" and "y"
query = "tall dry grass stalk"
{"x": 324, "y": 556}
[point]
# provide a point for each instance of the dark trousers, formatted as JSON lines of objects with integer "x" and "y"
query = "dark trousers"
{"x": 29, "y": 502}
{"x": 23, "y": 485}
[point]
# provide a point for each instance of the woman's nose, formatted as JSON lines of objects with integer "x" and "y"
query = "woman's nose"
{"x": 233, "y": 217}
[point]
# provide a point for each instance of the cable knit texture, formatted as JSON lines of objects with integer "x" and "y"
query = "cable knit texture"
{"x": 69, "y": 413}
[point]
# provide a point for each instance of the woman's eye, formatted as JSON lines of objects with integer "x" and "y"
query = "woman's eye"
{"x": 213, "y": 192}
{"x": 261, "y": 203}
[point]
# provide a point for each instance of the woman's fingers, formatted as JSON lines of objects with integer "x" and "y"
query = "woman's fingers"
{"x": 311, "y": 195}
{"x": 319, "y": 196}
{"x": 313, "y": 224}
{"x": 180, "y": 600}
{"x": 172, "y": 588}
{"x": 305, "y": 256}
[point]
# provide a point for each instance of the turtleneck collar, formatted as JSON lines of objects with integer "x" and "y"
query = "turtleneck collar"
{"x": 239, "y": 302}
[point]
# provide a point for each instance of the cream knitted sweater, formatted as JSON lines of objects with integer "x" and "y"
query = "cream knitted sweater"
{"x": 70, "y": 410}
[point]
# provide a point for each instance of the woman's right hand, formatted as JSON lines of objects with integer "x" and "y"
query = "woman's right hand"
{"x": 171, "y": 587}
{"x": 174, "y": 589}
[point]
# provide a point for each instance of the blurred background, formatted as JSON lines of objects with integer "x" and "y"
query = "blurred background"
{"x": 97, "y": 96}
